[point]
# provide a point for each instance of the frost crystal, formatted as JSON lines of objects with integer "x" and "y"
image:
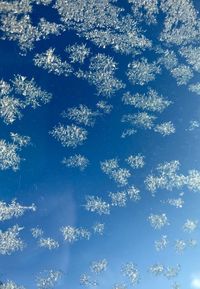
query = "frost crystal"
{"x": 48, "y": 279}
{"x": 14, "y": 209}
{"x": 70, "y": 135}
{"x": 52, "y": 63}
{"x": 195, "y": 88}
{"x": 81, "y": 115}
{"x": 9, "y": 158}
{"x": 76, "y": 161}
{"x": 180, "y": 246}
{"x": 193, "y": 125}
{"x": 141, "y": 72}
{"x": 37, "y": 232}
{"x": 101, "y": 74}
{"x": 85, "y": 280}
{"x": 190, "y": 226}
{"x": 48, "y": 243}
{"x": 158, "y": 221}
{"x": 10, "y": 241}
{"x": 104, "y": 107}
{"x": 72, "y": 234}
{"x": 128, "y": 132}
{"x": 192, "y": 55}
{"x": 130, "y": 270}
{"x": 136, "y": 161}
{"x": 10, "y": 285}
{"x": 97, "y": 205}
{"x": 140, "y": 119}
{"x": 133, "y": 193}
{"x": 119, "y": 175}
{"x": 165, "y": 128}
{"x": 178, "y": 203}
{"x": 118, "y": 199}
{"x": 150, "y": 102}
{"x": 99, "y": 266}
{"x": 182, "y": 74}
{"x": 98, "y": 228}
{"x": 162, "y": 243}
{"x": 78, "y": 52}
{"x": 157, "y": 269}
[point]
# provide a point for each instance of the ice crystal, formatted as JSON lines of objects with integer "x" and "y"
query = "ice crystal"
{"x": 190, "y": 225}
{"x": 158, "y": 221}
{"x": 172, "y": 272}
{"x": 104, "y": 107}
{"x": 48, "y": 279}
{"x": 162, "y": 243}
{"x": 150, "y": 102}
{"x": 72, "y": 234}
{"x": 9, "y": 158}
{"x": 145, "y": 10}
{"x": 51, "y": 62}
{"x": 141, "y": 71}
{"x": 119, "y": 286}
{"x": 48, "y": 243}
{"x": 140, "y": 119}
{"x": 102, "y": 74}
{"x": 99, "y": 266}
{"x": 192, "y": 55}
{"x": 180, "y": 246}
{"x": 195, "y": 88}
{"x": 70, "y": 135}
{"x": 130, "y": 270}
{"x": 118, "y": 199}
{"x": 10, "y": 241}
{"x": 10, "y": 285}
{"x": 165, "y": 128}
{"x": 97, "y": 205}
{"x": 14, "y": 209}
{"x": 37, "y": 232}
{"x": 81, "y": 115}
{"x": 193, "y": 125}
{"x": 76, "y": 161}
{"x": 136, "y": 161}
{"x": 98, "y": 228}
{"x": 85, "y": 280}
{"x": 157, "y": 269}
{"x": 78, "y": 52}
{"x": 133, "y": 193}
{"x": 182, "y": 74}
{"x": 128, "y": 132}
{"x": 119, "y": 175}
{"x": 177, "y": 203}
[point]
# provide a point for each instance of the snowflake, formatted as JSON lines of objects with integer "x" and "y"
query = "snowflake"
{"x": 96, "y": 204}
{"x": 99, "y": 266}
{"x": 118, "y": 199}
{"x": 48, "y": 243}
{"x": 48, "y": 279}
{"x": 158, "y": 221}
{"x": 162, "y": 243}
{"x": 136, "y": 161}
{"x": 78, "y": 52}
{"x": 70, "y": 135}
{"x": 72, "y": 234}
{"x": 130, "y": 270}
{"x": 10, "y": 241}
{"x": 190, "y": 226}
{"x": 98, "y": 228}
{"x": 76, "y": 161}
{"x": 165, "y": 128}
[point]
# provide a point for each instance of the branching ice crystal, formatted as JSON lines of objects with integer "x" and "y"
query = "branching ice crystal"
{"x": 182, "y": 74}
{"x": 190, "y": 225}
{"x": 85, "y": 280}
{"x": 52, "y": 63}
{"x": 10, "y": 285}
{"x": 104, "y": 107}
{"x": 48, "y": 279}
{"x": 141, "y": 71}
{"x": 10, "y": 241}
{"x": 140, "y": 119}
{"x": 98, "y": 228}
{"x": 192, "y": 55}
{"x": 157, "y": 269}
{"x": 76, "y": 161}
{"x": 128, "y": 132}
{"x": 172, "y": 272}
{"x": 165, "y": 128}
{"x": 145, "y": 10}
{"x": 130, "y": 270}
{"x": 162, "y": 243}
{"x": 158, "y": 221}
{"x": 37, "y": 232}
{"x": 195, "y": 88}
{"x": 102, "y": 74}
{"x": 99, "y": 266}
{"x": 119, "y": 175}
{"x": 136, "y": 161}
{"x": 193, "y": 125}
{"x": 14, "y": 209}
{"x": 177, "y": 203}
{"x": 118, "y": 199}
{"x": 78, "y": 52}
{"x": 97, "y": 205}
{"x": 151, "y": 101}
{"x": 133, "y": 193}
{"x": 72, "y": 234}
{"x": 70, "y": 135}
{"x": 180, "y": 246}
{"x": 9, "y": 158}
{"x": 48, "y": 243}
{"x": 81, "y": 115}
